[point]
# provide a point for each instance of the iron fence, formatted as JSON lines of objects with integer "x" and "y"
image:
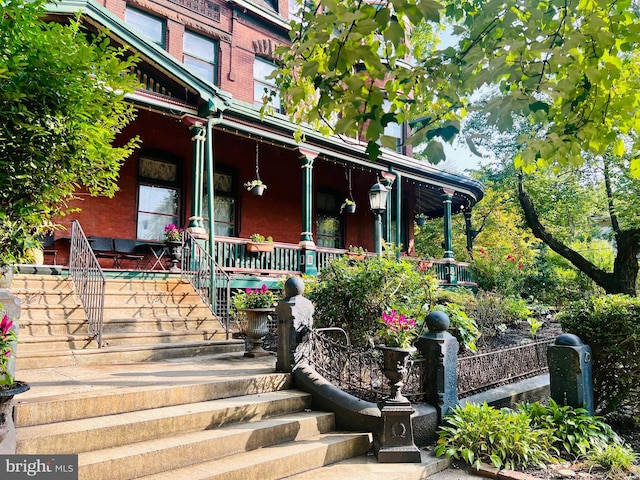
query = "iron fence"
{"x": 483, "y": 371}
{"x": 88, "y": 279}
{"x": 358, "y": 371}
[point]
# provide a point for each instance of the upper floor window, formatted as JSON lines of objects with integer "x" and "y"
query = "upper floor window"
{"x": 148, "y": 25}
{"x": 200, "y": 55}
{"x": 394, "y": 130}
{"x": 263, "y": 85}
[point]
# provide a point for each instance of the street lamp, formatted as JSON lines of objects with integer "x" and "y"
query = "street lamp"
{"x": 378, "y": 202}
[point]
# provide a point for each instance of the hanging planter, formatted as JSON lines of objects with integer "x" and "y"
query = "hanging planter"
{"x": 348, "y": 206}
{"x": 256, "y": 186}
{"x": 420, "y": 219}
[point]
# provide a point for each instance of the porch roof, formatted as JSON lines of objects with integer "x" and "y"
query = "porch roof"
{"x": 244, "y": 118}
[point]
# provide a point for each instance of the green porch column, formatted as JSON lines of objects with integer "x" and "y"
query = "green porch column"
{"x": 308, "y": 257}
{"x": 196, "y": 224}
{"x": 452, "y": 267}
{"x": 471, "y": 233}
{"x": 397, "y": 233}
{"x": 388, "y": 180}
{"x": 447, "y": 197}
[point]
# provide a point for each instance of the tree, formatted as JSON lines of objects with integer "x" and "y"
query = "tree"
{"x": 571, "y": 68}
{"x": 566, "y": 207}
{"x": 62, "y": 104}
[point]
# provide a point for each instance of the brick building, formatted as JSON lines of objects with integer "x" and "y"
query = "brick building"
{"x": 203, "y": 72}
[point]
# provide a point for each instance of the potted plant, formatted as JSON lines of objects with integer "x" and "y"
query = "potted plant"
{"x": 420, "y": 219}
{"x": 348, "y": 206}
{"x": 254, "y": 307}
{"x": 256, "y": 187}
{"x": 396, "y": 336}
{"x": 356, "y": 253}
{"x": 258, "y": 243}
{"x": 173, "y": 240}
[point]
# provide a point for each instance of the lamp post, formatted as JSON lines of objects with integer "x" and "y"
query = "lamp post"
{"x": 378, "y": 202}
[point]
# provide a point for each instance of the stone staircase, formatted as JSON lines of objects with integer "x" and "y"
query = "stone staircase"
{"x": 143, "y": 320}
{"x": 234, "y": 428}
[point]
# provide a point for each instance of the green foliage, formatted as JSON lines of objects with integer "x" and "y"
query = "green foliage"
{"x": 503, "y": 438}
{"x": 609, "y": 325}
{"x": 571, "y": 431}
{"x": 461, "y": 326}
{"x": 570, "y": 69}
{"x": 353, "y": 295}
{"x": 62, "y": 105}
{"x": 616, "y": 458}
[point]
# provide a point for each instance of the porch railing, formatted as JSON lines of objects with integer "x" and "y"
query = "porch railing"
{"x": 233, "y": 255}
{"x": 211, "y": 282}
{"x": 88, "y": 279}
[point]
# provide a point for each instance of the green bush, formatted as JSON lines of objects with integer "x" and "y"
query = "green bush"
{"x": 571, "y": 431}
{"x": 610, "y": 325}
{"x": 461, "y": 325}
{"x": 353, "y": 295}
{"x": 504, "y": 438}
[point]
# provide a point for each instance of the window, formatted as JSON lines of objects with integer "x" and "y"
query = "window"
{"x": 158, "y": 198}
{"x": 262, "y": 85}
{"x": 328, "y": 226}
{"x": 224, "y": 205}
{"x": 199, "y": 55}
{"x": 394, "y": 130}
{"x": 148, "y": 25}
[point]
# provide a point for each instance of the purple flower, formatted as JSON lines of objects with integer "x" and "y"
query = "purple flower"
{"x": 5, "y": 324}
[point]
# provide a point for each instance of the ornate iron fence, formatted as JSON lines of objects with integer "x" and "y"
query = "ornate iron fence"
{"x": 483, "y": 371}
{"x": 358, "y": 371}
{"x": 88, "y": 279}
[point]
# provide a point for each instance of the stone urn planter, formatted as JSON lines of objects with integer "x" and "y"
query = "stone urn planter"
{"x": 256, "y": 328}
{"x": 8, "y": 441}
{"x": 394, "y": 366}
{"x": 175, "y": 255}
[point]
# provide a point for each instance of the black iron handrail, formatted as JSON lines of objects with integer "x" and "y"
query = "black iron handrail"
{"x": 88, "y": 279}
{"x": 215, "y": 290}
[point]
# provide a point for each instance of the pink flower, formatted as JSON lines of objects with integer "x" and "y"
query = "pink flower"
{"x": 5, "y": 324}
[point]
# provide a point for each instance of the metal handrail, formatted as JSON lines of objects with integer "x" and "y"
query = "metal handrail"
{"x": 88, "y": 279}
{"x": 215, "y": 290}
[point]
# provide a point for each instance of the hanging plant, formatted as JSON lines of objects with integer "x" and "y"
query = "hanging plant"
{"x": 421, "y": 219}
{"x": 256, "y": 187}
{"x": 348, "y": 206}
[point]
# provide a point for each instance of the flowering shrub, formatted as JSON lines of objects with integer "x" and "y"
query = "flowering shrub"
{"x": 172, "y": 233}
{"x": 254, "y": 298}
{"x": 397, "y": 330}
{"x": 7, "y": 336}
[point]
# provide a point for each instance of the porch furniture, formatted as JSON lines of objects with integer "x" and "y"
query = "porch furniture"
{"x": 103, "y": 247}
{"x": 155, "y": 253}
{"x": 126, "y": 250}
{"x": 48, "y": 246}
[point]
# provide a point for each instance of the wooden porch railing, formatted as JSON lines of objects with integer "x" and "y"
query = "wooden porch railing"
{"x": 88, "y": 279}
{"x": 233, "y": 255}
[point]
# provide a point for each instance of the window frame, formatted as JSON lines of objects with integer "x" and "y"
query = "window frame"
{"x": 149, "y": 16}
{"x": 197, "y": 59}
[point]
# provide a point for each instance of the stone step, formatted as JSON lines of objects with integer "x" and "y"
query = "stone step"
{"x": 42, "y": 328}
{"x": 95, "y": 403}
{"x": 276, "y": 461}
{"x": 177, "y": 451}
{"x": 124, "y": 354}
{"x": 84, "y": 435}
{"x": 75, "y": 311}
{"x": 29, "y": 344}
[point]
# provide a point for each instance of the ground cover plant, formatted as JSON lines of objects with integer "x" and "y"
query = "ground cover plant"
{"x": 532, "y": 436}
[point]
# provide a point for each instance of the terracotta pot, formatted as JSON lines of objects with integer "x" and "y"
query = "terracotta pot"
{"x": 254, "y": 247}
